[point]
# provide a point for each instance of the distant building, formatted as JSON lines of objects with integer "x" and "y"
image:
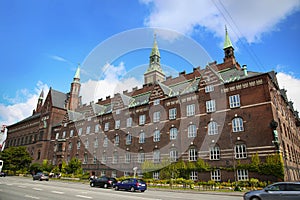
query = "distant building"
{"x": 222, "y": 114}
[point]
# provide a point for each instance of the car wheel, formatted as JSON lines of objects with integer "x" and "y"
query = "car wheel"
{"x": 142, "y": 190}
{"x": 47, "y": 179}
{"x": 132, "y": 189}
{"x": 92, "y": 184}
{"x": 255, "y": 198}
{"x": 117, "y": 188}
{"x": 105, "y": 185}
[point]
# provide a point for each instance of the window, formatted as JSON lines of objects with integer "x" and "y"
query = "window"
{"x": 86, "y": 143}
{"x": 155, "y": 175}
{"x": 78, "y": 145}
{"x": 88, "y": 129}
{"x": 129, "y": 122}
{"x": 96, "y": 143}
{"x": 64, "y": 134}
{"x": 57, "y": 136}
{"x": 216, "y": 175}
{"x": 214, "y": 153}
{"x": 190, "y": 110}
{"x": 71, "y": 133}
{"x": 106, "y": 126}
{"x": 114, "y": 174}
{"x": 173, "y": 155}
{"x": 172, "y": 113}
{"x": 234, "y": 101}
{"x": 103, "y": 172}
{"x": 212, "y": 128}
{"x": 237, "y": 124}
{"x": 85, "y": 158}
{"x": 97, "y": 128}
{"x": 126, "y": 173}
{"x": 156, "y": 156}
{"x": 210, "y": 106}
{"x": 70, "y": 145}
{"x": 79, "y": 131}
{"x": 156, "y": 136}
{"x": 142, "y": 138}
{"x": 117, "y": 140}
{"x": 192, "y": 154}
{"x": 209, "y": 88}
{"x": 194, "y": 175}
{"x": 115, "y": 157}
{"x": 104, "y": 158}
{"x": 128, "y": 139}
{"x": 240, "y": 151}
{"x": 95, "y": 159}
{"x": 117, "y": 124}
{"x": 105, "y": 141}
{"x": 242, "y": 174}
{"x": 141, "y": 157}
{"x": 127, "y": 157}
{"x": 142, "y": 119}
{"x": 156, "y": 102}
{"x": 118, "y": 111}
{"x": 192, "y": 131}
{"x": 156, "y": 116}
{"x": 173, "y": 133}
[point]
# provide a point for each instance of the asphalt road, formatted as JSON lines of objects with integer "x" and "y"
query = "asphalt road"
{"x": 17, "y": 188}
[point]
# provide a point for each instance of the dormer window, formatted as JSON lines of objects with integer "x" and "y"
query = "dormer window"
{"x": 156, "y": 102}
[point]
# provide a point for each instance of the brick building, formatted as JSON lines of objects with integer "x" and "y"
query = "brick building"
{"x": 222, "y": 114}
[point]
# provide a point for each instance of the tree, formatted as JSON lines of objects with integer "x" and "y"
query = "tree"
{"x": 16, "y": 159}
{"x": 74, "y": 166}
{"x": 46, "y": 166}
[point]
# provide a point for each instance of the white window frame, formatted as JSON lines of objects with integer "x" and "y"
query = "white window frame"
{"x": 117, "y": 124}
{"x": 115, "y": 159}
{"x": 127, "y": 157}
{"x": 156, "y": 116}
{"x": 129, "y": 122}
{"x": 156, "y": 156}
{"x": 156, "y": 136}
{"x": 85, "y": 158}
{"x": 78, "y": 144}
{"x": 214, "y": 153}
{"x": 96, "y": 143}
{"x": 117, "y": 140}
{"x": 70, "y": 146}
{"x": 194, "y": 175}
{"x": 240, "y": 151}
{"x": 105, "y": 141}
{"x": 172, "y": 113}
{"x": 114, "y": 174}
{"x": 216, "y": 175}
{"x": 56, "y": 136}
{"x": 173, "y": 133}
{"x": 173, "y": 155}
{"x": 237, "y": 124}
{"x": 64, "y": 134}
{"x": 192, "y": 131}
{"x": 142, "y": 119}
{"x": 118, "y": 111}
{"x": 141, "y": 157}
{"x": 86, "y": 143}
{"x": 209, "y": 88}
{"x": 211, "y": 106}
{"x": 97, "y": 128}
{"x": 142, "y": 137}
{"x": 212, "y": 128}
{"x": 80, "y": 131}
{"x": 190, "y": 110}
{"x": 234, "y": 101}
{"x": 128, "y": 139}
{"x": 106, "y": 126}
{"x": 156, "y": 102}
{"x": 242, "y": 175}
{"x": 71, "y": 133}
{"x": 104, "y": 158}
{"x": 88, "y": 130}
{"x": 193, "y": 154}
{"x": 155, "y": 175}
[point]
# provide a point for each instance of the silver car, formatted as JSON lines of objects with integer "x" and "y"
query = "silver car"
{"x": 276, "y": 191}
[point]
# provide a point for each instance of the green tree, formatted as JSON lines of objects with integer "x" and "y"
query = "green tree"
{"x": 74, "y": 166}
{"x": 35, "y": 167}
{"x": 16, "y": 159}
{"x": 255, "y": 163}
{"x": 46, "y": 166}
{"x": 202, "y": 166}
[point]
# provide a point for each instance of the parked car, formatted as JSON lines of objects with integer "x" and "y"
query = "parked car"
{"x": 276, "y": 191}
{"x": 103, "y": 181}
{"x": 41, "y": 176}
{"x": 131, "y": 184}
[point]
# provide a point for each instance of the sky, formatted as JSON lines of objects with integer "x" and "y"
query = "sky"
{"x": 42, "y": 43}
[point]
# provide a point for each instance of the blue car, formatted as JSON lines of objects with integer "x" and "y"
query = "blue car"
{"x": 131, "y": 184}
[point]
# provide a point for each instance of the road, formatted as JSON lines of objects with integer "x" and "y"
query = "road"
{"x": 15, "y": 188}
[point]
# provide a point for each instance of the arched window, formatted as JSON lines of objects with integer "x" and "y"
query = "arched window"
{"x": 173, "y": 155}
{"x": 156, "y": 136}
{"x": 212, "y": 128}
{"x": 173, "y": 133}
{"x": 128, "y": 139}
{"x": 240, "y": 151}
{"x": 142, "y": 138}
{"x": 192, "y": 131}
{"x": 237, "y": 124}
{"x": 156, "y": 156}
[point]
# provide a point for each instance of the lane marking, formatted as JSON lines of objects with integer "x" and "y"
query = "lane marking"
{"x": 86, "y": 197}
{"x": 32, "y": 197}
{"x": 21, "y": 186}
{"x": 38, "y": 189}
{"x": 57, "y": 192}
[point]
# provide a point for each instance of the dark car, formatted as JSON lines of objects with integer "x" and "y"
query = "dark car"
{"x": 2, "y": 174}
{"x": 276, "y": 191}
{"x": 41, "y": 176}
{"x": 131, "y": 184}
{"x": 103, "y": 181}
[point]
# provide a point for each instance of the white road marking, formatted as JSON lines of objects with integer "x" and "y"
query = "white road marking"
{"x": 86, "y": 197}
{"x": 21, "y": 186}
{"x": 39, "y": 189}
{"x": 32, "y": 197}
{"x": 57, "y": 192}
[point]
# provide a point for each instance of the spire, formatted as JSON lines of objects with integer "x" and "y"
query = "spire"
{"x": 77, "y": 74}
{"x": 155, "y": 50}
{"x": 41, "y": 95}
{"x": 227, "y": 42}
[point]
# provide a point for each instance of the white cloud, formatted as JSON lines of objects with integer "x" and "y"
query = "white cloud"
{"x": 246, "y": 19}
{"x": 114, "y": 80}
{"x": 22, "y": 105}
{"x": 291, "y": 84}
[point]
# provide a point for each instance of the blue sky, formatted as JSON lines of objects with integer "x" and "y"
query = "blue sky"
{"x": 41, "y": 42}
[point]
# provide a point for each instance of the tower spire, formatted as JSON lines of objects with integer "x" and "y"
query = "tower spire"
{"x": 74, "y": 98}
{"x": 77, "y": 74}
{"x": 227, "y": 42}
{"x": 228, "y": 47}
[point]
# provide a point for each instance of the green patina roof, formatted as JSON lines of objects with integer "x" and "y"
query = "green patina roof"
{"x": 227, "y": 42}
{"x": 155, "y": 50}
{"x": 77, "y": 74}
